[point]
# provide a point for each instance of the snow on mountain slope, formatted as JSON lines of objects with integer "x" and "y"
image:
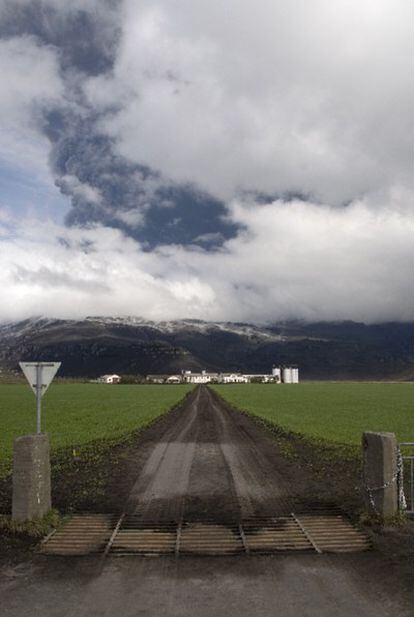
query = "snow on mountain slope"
{"x": 170, "y": 327}
{"x": 131, "y": 345}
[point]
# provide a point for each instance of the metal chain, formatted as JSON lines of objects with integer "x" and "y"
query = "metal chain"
{"x": 402, "y": 502}
{"x": 397, "y": 477}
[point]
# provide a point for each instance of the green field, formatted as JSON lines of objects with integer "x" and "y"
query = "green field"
{"x": 333, "y": 412}
{"x": 77, "y": 414}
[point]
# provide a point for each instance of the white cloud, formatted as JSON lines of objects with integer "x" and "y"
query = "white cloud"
{"x": 80, "y": 189}
{"x": 30, "y": 78}
{"x": 268, "y": 96}
{"x": 294, "y": 260}
{"x": 264, "y": 96}
{"x": 132, "y": 218}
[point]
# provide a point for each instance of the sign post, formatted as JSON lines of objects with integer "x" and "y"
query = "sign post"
{"x": 40, "y": 376}
{"x": 31, "y": 458}
{"x": 38, "y": 399}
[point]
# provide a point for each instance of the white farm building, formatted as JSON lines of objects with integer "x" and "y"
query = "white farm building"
{"x": 278, "y": 375}
{"x": 233, "y": 378}
{"x": 109, "y": 379}
{"x": 203, "y": 377}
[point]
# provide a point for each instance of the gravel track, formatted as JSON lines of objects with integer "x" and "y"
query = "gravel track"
{"x": 206, "y": 461}
{"x": 211, "y": 464}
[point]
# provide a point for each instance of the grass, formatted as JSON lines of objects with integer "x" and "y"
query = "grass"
{"x": 76, "y": 415}
{"x": 329, "y": 412}
{"x": 36, "y": 528}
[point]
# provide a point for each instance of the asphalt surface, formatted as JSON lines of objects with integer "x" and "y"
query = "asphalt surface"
{"x": 211, "y": 463}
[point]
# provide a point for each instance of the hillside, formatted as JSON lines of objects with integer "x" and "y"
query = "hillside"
{"x": 96, "y": 345}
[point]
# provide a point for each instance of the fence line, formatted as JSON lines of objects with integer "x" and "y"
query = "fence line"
{"x": 408, "y": 478}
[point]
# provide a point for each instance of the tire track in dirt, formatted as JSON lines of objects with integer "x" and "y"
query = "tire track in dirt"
{"x": 160, "y": 489}
{"x": 260, "y": 489}
{"x": 211, "y": 492}
{"x": 212, "y": 464}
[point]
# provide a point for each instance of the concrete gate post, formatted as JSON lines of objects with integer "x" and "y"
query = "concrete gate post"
{"x": 379, "y": 453}
{"x": 31, "y": 477}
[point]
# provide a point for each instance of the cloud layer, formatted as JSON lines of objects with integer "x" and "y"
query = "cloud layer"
{"x": 294, "y": 259}
{"x": 251, "y": 161}
{"x": 306, "y": 97}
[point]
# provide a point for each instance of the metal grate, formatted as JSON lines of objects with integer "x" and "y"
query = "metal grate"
{"x": 130, "y": 535}
{"x": 275, "y": 535}
{"x": 334, "y": 534}
{"x": 210, "y": 538}
{"x": 141, "y": 538}
{"x": 81, "y": 535}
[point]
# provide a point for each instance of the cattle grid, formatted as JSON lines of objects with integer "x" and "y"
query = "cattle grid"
{"x": 107, "y": 534}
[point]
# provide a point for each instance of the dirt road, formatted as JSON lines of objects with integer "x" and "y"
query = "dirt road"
{"x": 211, "y": 464}
{"x": 207, "y": 463}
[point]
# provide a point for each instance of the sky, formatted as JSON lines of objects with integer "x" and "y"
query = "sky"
{"x": 238, "y": 161}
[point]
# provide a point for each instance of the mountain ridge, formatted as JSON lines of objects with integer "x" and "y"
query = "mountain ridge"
{"x": 132, "y": 345}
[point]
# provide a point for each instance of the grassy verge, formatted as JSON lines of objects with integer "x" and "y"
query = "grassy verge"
{"x": 91, "y": 430}
{"x": 37, "y": 528}
{"x": 77, "y": 415}
{"x": 93, "y": 476}
{"x": 332, "y": 471}
{"x": 18, "y": 539}
{"x": 319, "y": 428}
{"x": 329, "y": 412}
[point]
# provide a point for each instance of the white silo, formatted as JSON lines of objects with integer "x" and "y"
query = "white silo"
{"x": 295, "y": 375}
{"x": 276, "y": 374}
{"x": 287, "y": 375}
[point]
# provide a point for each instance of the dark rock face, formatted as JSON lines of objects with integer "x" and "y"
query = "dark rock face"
{"x": 94, "y": 346}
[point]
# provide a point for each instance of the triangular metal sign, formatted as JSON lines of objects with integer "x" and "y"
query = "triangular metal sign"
{"x": 43, "y": 370}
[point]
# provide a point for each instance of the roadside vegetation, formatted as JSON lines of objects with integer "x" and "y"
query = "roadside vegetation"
{"x": 94, "y": 431}
{"x": 335, "y": 413}
{"x": 318, "y": 428}
{"x": 77, "y": 414}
